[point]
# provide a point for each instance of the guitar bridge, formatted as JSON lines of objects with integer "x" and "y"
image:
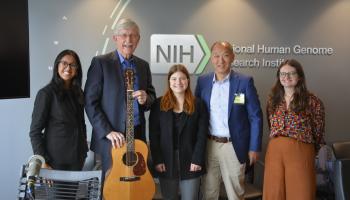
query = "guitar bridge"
{"x": 130, "y": 178}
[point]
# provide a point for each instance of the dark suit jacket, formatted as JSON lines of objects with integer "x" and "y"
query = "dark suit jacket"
{"x": 105, "y": 100}
{"x": 244, "y": 120}
{"x": 64, "y": 138}
{"x": 192, "y": 139}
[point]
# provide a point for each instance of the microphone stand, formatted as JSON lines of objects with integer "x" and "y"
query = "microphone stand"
{"x": 29, "y": 191}
{"x": 32, "y": 170}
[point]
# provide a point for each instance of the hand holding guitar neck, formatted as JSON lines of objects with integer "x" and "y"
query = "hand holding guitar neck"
{"x": 141, "y": 96}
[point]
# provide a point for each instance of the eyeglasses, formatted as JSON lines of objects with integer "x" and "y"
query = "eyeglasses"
{"x": 124, "y": 35}
{"x": 289, "y": 74}
{"x": 66, "y": 64}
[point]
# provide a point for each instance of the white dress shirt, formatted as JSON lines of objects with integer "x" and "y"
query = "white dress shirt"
{"x": 218, "y": 122}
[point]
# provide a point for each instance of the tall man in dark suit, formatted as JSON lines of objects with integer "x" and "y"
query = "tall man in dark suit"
{"x": 235, "y": 124}
{"x": 105, "y": 93}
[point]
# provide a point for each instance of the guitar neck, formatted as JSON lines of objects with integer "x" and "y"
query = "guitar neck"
{"x": 130, "y": 122}
{"x": 129, "y": 80}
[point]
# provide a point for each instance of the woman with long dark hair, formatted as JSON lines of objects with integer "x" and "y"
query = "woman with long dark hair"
{"x": 296, "y": 119}
{"x": 58, "y": 131}
{"x": 178, "y": 127}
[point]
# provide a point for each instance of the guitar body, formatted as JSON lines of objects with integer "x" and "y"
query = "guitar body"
{"x": 129, "y": 180}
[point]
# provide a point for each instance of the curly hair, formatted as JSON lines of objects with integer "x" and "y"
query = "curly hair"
{"x": 300, "y": 96}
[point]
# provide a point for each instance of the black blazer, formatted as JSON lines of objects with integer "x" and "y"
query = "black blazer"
{"x": 192, "y": 140}
{"x": 105, "y": 100}
{"x": 58, "y": 130}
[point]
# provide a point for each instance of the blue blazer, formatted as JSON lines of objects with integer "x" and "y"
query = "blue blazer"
{"x": 105, "y": 100}
{"x": 245, "y": 120}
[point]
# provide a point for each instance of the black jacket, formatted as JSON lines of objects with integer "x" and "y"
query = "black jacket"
{"x": 192, "y": 140}
{"x": 58, "y": 130}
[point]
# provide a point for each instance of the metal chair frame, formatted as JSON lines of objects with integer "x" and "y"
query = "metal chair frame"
{"x": 59, "y": 184}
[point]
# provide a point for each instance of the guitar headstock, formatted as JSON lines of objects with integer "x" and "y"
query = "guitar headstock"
{"x": 129, "y": 79}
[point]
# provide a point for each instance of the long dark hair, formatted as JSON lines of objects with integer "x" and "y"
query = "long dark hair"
{"x": 169, "y": 101}
{"x": 77, "y": 79}
{"x": 301, "y": 94}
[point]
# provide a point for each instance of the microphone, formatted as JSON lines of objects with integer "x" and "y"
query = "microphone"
{"x": 33, "y": 169}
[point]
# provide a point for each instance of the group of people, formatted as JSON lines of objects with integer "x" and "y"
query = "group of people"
{"x": 197, "y": 140}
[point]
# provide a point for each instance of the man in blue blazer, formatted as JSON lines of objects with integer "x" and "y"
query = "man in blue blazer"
{"x": 235, "y": 124}
{"x": 105, "y": 93}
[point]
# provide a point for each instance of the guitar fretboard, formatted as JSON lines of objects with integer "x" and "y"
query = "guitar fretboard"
{"x": 129, "y": 80}
{"x": 130, "y": 122}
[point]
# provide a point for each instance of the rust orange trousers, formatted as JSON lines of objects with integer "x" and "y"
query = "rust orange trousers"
{"x": 289, "y": 170}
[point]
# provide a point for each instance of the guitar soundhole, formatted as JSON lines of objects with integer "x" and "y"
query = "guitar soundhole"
{"x": 129, "y": 158}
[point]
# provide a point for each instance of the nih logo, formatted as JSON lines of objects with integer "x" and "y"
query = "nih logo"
{"x": 189, "y": 50}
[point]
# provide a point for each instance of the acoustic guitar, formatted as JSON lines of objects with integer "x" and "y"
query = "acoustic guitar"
{"x": 129, "y": 177}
